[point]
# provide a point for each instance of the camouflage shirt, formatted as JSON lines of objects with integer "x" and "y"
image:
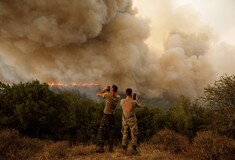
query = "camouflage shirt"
{"x": 111, "y": 102}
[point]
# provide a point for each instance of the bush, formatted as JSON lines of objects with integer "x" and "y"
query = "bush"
{"x": 221, "y": 98}
{"x": 208, "y": 145}
{"x": 170, "y": 141}
{"x": 150, "y": 120}
{"x": 14, "y": 147}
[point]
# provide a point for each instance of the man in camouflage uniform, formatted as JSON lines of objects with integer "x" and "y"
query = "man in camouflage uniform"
{"x": 107, "y": 126}
{"x": 129, "y": 120}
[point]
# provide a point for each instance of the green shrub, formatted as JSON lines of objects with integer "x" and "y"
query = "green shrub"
{"x": 220, "y": 97}
{"x": 208, "y": 145}
{"x": 170, "y": 141}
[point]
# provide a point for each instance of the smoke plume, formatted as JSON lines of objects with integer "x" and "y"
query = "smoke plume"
{"x": 103, "y": 41}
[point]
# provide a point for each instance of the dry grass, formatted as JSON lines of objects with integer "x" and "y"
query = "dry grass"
{"x": 82, "y": 150}
{"x": 206, "y": 145}
{"x": 54, "y": 151}
{"x": 146, "y": 152}
{"x": 14, "y": 147}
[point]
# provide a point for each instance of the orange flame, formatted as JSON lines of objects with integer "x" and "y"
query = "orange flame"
{"x": 90, "y": 84}
{"x": 57, "y": 84}
{"x": 75, "y": 84}
{"x": 85, "y": 84}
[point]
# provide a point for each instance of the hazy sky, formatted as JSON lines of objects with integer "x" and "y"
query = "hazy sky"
{"x": 217, "y": 14}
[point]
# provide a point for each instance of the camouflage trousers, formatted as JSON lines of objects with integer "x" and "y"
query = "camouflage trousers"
{"x": 106, "y": 130}
{"x": 129, "y": 124}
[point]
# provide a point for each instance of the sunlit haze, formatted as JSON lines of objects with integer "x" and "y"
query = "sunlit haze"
{"x": 219, "y": 15}
{"x": 213, "y": 18}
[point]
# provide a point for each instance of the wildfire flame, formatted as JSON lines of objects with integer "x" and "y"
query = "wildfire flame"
{"x": 90, "y": 84}
{"x": 85, "y": 84}
{"x": 56, "y": 84}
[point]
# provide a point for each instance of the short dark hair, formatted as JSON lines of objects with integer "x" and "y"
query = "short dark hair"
{"x": 115, "y": 88}
{"x": 129, "y": 92}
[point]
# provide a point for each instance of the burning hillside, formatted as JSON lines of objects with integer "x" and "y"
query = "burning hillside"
{"x": 84, "y": 90}
{"x": 73, "y": 84}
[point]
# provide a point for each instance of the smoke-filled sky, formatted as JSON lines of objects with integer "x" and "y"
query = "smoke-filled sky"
{"x": 155, "y": 47}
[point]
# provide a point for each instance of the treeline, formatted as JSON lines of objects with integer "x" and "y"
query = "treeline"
{"x": 35, "y": 110}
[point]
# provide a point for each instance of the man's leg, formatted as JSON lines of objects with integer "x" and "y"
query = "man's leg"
{"x": 101, "y": 134}
{"x": 134, "y": 134}
{"x": 111, "y": 132}
{"x": 125, "y": 128}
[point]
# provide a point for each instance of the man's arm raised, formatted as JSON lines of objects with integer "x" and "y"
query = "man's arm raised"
{"x": 100, "y": 93}
{"x": 138, "y": 102}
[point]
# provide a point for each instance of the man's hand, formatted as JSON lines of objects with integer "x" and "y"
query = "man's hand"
{"x": 100, "y": 93}
{"x": 107, "y": 88}
{"x": 138, "y": 102}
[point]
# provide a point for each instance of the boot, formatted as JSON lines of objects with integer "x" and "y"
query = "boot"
{"x": 124, "y": 149}
{"x": 134, "y": 150}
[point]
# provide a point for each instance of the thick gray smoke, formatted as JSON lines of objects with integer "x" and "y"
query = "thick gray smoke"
{"x": 99, "y": 41}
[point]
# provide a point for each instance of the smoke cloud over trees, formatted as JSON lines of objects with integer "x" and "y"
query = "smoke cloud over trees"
{"x": 103, "y": 41}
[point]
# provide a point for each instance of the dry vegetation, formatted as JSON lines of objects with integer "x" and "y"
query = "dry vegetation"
{"x": 165, "y": 145}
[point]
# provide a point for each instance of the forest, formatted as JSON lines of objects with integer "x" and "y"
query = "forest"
{"x": 34, "y": 110}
